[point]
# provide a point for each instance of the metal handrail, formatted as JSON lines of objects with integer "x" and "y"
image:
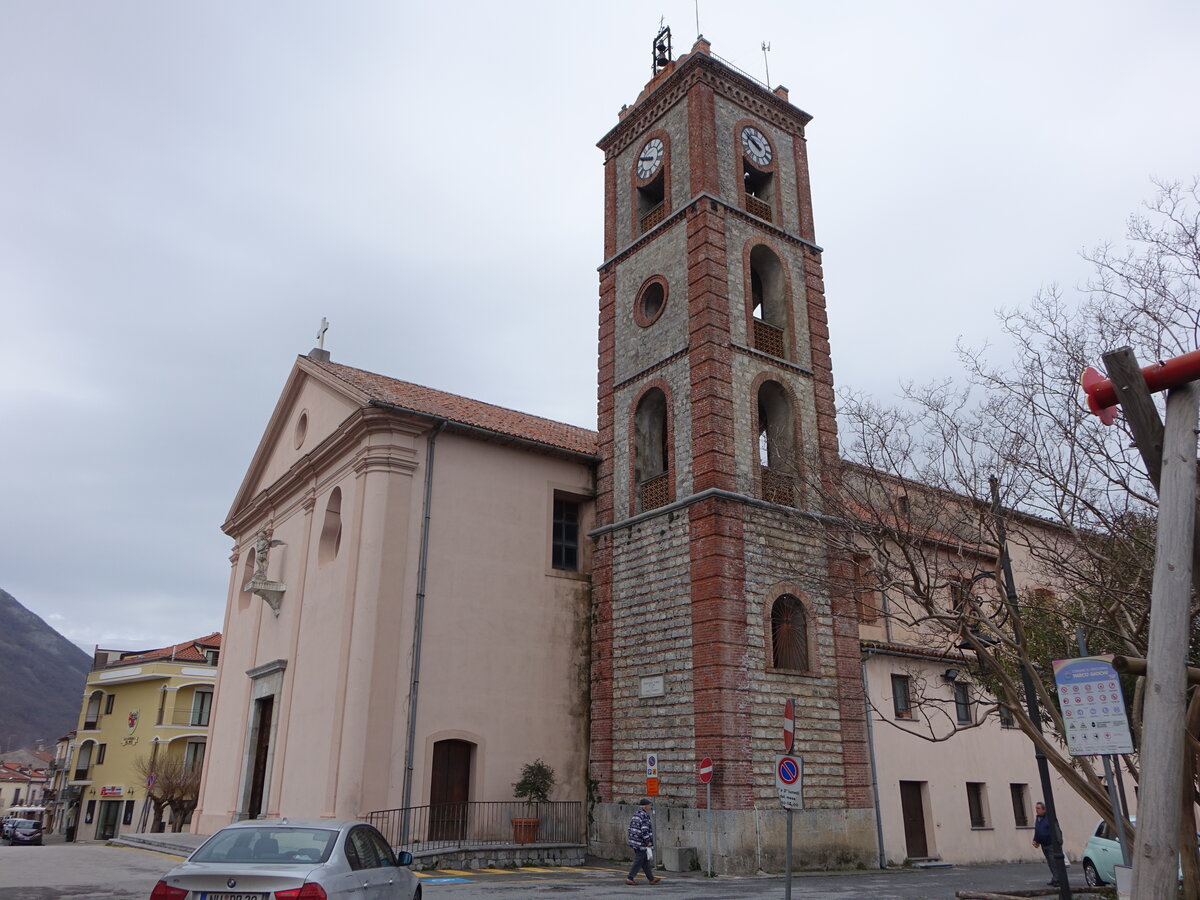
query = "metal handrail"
{"x": 481, "y": 823}
{"x": 182, "y": 715}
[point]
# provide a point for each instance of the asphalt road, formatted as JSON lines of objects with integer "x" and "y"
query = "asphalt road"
{"x": 87, "y": 871}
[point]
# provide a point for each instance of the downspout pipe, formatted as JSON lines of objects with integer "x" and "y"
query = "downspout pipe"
{"x": 418, "y": 626}
{"x": 871, "y": 756}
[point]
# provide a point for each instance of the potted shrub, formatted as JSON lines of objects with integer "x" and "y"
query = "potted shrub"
{"x": 534, "y": 787}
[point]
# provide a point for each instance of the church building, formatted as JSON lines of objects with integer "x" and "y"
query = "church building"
{"x": 427, "y": 593}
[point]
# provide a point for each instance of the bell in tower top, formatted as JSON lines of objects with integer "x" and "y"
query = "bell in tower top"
{"x": 661, "y": 52}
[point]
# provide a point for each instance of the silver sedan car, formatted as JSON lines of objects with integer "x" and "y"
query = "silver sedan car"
{"x": 278, "y": 859}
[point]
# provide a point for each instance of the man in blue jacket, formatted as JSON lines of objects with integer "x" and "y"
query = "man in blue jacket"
{"x": 1043, "y": 837}
{"x": 641, "y": 839}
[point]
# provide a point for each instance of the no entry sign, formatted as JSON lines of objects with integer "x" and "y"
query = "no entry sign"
{"x": 705, "y": 770}
{"x": 789, "y": 726}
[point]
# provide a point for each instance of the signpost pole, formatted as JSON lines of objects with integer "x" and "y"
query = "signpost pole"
{"x": 789, "y": 742}
{"x": 706, "y": 774}
{"x": 708, "y": 829}
{"x": 787, "y": 881}
{"x": 1118, "y": 814}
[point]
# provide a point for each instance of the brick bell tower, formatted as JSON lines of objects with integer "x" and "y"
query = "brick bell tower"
{"x": 717, "y": 428}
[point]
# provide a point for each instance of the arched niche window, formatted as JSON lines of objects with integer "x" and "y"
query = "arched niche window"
{"x": 758, "y": 172}
{"x": 768, "y": 302}
{"x": 789, "y": 634}
{"x": 650, "y": 182}
{"x": 244, "y": 595}
{"x": 331, "y": 528}
{"x": 652, "y": 207}
{"x": 777, "y": 457}
{"x": 650, "y": 460}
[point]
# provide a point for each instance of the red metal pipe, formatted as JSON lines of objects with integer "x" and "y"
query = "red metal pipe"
{"x": 1102, "y": 396}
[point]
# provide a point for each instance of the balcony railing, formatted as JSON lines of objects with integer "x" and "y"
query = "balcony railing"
{"x": 654, "y": 216}
{"x": 654, "y": 492}
{"x": 757, "y": 207}
{"x": 777, "y": 487}
{"x": 82, "y": 774}
{"x": 459, "y": 825}
{"x": 183, "y": 715}
{"x": 768, "y": 338}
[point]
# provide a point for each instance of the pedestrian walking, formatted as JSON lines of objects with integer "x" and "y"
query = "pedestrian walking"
{"x": 641, "y": 839}
{"x": 1043, "y": 837}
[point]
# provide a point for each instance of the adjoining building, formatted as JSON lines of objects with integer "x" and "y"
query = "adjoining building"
{"x": 141, "y": 710}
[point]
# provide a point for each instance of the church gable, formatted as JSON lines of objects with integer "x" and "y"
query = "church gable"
{"x": 311, "y": 407}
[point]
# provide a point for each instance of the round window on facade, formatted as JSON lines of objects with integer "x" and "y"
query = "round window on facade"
{"x": 301, "y": 429}
{"x": 650, "y": 302}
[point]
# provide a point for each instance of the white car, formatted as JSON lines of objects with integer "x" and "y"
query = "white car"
{"x": 1102, "y": 852}
{"x": 278, "y": 859}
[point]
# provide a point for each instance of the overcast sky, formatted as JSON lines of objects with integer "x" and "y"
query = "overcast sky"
{"x": 187, "y": 188}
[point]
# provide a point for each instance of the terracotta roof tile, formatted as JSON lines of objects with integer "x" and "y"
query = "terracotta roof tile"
{"x": 464, "y": 411}
{"x": 188, "y": 651}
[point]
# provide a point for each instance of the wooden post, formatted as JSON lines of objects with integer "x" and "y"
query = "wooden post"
{"x": 1145, "y": 426}
{"x": 1155, "y": 863}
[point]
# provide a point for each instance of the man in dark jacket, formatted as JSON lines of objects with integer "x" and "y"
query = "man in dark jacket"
{"x": 1043, "y": 836}
{"x": 641, "y": 839}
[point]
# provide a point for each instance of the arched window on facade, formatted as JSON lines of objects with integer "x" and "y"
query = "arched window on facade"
{"x": 768, "y": 302}
{"x": 789, "y": 634}
{"x": 91, "y": 718}
{"x": 650, "y": 459}
{"x": 83, "y": 763}
{"x": 777, "y": 457}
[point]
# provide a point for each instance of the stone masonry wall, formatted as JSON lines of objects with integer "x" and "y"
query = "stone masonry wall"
{"x": 651, "y": 636}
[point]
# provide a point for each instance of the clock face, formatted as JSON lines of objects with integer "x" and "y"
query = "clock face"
{"x": 650, "y": 158}
{"x": 756, "y": 145}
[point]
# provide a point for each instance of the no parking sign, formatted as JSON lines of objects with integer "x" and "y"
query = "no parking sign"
{"x": 789, "y": 780}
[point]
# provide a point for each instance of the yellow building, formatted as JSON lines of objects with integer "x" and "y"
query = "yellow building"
{"x": 140, "y": 705}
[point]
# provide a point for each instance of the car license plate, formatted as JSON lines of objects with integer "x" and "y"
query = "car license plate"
{"x": 227, "y": 895}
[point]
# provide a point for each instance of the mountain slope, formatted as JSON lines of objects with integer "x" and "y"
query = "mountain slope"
{"x": 41, "y": 679}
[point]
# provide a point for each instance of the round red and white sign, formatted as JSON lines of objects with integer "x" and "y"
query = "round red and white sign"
{"x": 705, "y": 770}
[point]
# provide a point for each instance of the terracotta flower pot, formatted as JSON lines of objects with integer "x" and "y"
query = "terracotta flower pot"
{"x": 525, "y": 831}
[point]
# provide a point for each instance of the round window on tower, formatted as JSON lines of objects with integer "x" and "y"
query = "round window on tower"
{"x": 651, "y": 300}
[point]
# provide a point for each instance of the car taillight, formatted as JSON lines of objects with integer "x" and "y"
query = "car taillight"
{"x": 309, "y": 891}
{"x": 163, "y": 891}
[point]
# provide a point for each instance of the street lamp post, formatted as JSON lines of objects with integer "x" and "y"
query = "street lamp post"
{"x": 1057, "y": 860}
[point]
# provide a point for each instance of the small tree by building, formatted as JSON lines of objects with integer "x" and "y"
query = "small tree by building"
{"x": 176, "y": 787}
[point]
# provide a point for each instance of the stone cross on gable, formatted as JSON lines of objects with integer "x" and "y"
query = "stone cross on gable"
{"x": 321, "y": 333}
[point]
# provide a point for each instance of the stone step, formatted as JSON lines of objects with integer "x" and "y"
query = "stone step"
{"x": 930, "y": 862}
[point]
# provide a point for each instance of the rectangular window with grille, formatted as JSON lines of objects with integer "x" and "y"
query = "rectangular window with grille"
{"x": 1006, "y": 717}
{"x": 962, "y": 703}
{"x": 901, "y": 697}
{"x": 1020, "y": 802}
{"x": 564, "y": 549}
{"x": 977, "y": 804}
